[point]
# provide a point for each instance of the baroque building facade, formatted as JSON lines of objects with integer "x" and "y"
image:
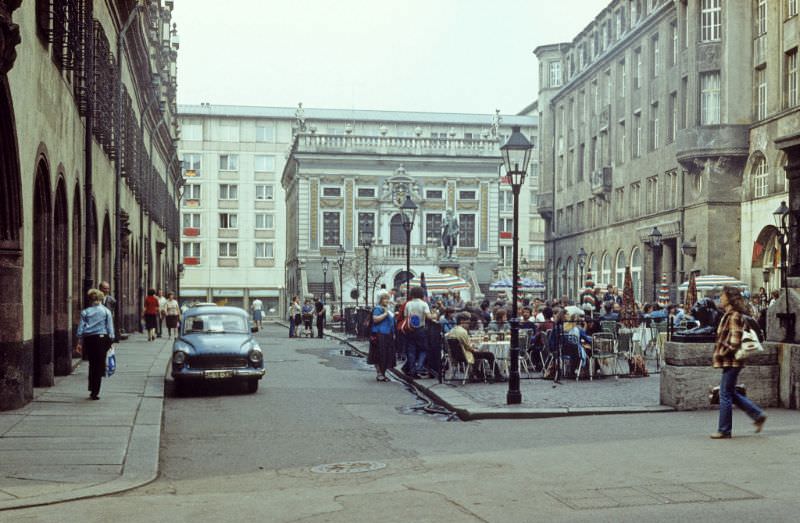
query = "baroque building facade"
{"x": 256, "y": 224}
{"x": 88, "y": 173}
{"x": 645, "y": 123}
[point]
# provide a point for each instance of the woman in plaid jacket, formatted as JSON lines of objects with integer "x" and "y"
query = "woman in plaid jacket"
{"x": 729, "y": 340}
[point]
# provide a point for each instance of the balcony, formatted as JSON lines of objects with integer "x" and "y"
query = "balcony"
{"x": 695, "y": 145}
{"x": 397, "y": 253}
{"x": 601, "y": 181}
{"x": 545, "y": 205}
{"x": 413, "y": 145}
{"x": 191, "y": 231}
{"x": 191, "y": 260}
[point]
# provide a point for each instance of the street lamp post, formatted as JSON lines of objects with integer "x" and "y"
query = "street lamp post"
{"x": 366, "y": 242}
{"x": 340, "y": 252}
{"x": 787, "y": 319}
{"x": 325, "y": 265}
{"x": 655, "y": 244}
{"x": 408, "y": 215}
{"x": 516, "y": 155}
{"x": 581, "y": 265}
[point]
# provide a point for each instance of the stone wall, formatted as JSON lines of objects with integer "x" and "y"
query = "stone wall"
{"x": 688, "y": 375}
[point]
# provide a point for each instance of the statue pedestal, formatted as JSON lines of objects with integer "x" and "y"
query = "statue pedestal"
{"x": 777, "y": 319}
{"x": 449, "y": 267}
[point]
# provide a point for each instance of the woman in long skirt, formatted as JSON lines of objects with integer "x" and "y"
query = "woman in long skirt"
{"x": 381, "y": 346}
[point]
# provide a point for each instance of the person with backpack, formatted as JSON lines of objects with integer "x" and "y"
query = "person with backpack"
{"x": 381, "y": 342}
{"x": 416, "y": 312}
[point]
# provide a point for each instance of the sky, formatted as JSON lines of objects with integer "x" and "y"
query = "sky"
{"x": 465, "y": 56}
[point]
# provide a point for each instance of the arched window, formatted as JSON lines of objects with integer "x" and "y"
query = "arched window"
{"x": 760, "y": 174}
{"x": 550, "y": 278}
{"x": 636, "y": 274}
{"x": 606, "y": 272}
{"x": 557, "y": 277}
{"x": 592, "y": 267}
{"x": 570, "y": 277}
{"x": 619, "y": 270}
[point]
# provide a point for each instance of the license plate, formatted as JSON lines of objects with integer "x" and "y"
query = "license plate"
{"x": 217, "y": 374}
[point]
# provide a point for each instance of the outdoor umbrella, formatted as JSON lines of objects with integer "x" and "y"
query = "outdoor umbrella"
{"x": 713, "y": 282}
{"x": 587, "y": 296}
{"x": 574, "y": 309}
{"x": 628, "y": 313}
{"x": 691, "y": 293}
{"x": 524, "y": 284}
{"x": 438, "y": 283}
{"x": 663, "y": 291}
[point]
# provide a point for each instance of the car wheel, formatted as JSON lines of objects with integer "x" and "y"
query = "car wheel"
{"x": 252, "y": 386}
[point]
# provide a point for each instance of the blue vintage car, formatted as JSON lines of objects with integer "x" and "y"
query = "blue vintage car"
{"x": 216, "y": 343}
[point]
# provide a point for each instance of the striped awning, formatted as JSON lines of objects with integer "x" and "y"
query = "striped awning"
{"x": 710, "y": 282}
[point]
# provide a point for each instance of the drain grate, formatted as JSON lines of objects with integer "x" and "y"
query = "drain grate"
{"x": 659, "y": 494}
{"x": 348, "y": 467}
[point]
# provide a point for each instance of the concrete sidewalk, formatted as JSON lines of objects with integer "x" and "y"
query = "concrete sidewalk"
{"x": 540, "y": 398}
{"x": 63, "y": 446}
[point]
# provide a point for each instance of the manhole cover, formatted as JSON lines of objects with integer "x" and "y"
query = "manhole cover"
{"x": 348, "y": 467}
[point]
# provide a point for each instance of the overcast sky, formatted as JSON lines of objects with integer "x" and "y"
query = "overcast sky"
{"x": 468, "y": 56}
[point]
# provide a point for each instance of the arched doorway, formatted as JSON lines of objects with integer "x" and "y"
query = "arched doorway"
{"x": 42, "y": 276}
{"x": 766, "y": 260}
{"x": 15, "y": 360}
{"x": 636, "y": 274}
{"x": 397, "y": 235}
{"x": 105, "y": 267}
{"x": 605, "y": 265}
{"x": 77, "y": 272}
{"x": 571, "y": 277}
{"x": 62, "y": 339}
{"x": 619, "y": 270}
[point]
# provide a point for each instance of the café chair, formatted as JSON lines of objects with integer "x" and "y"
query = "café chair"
{"x": 570, "y": 356}
{"x": 603, "y": 348}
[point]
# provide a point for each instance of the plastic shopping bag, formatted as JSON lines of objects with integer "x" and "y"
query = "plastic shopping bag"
{"x": 111, "y": 362}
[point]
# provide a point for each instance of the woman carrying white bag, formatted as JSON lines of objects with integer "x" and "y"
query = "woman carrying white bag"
{"x": 95, "y": 334}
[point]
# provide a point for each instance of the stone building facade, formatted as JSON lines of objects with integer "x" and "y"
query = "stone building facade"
{"x": 349, "y": 171}
{"x": 64, "y": 132}
{"x": 645, "y": 122}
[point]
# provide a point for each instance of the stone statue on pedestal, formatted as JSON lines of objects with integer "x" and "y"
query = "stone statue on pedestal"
{"x": 449, "y": 234}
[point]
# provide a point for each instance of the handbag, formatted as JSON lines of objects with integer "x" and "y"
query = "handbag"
{"x": 111, "y": 362}
{"x": 751, "y": 346}
{"x": 713, "y": 393}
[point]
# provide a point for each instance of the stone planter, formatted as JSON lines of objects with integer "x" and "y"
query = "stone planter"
{"x": 687, "y": 376}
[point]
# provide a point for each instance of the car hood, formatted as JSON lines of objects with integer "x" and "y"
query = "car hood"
{"x": 216, "y": 343}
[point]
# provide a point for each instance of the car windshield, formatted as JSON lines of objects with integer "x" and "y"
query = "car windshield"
{"x": 216, "y": 323}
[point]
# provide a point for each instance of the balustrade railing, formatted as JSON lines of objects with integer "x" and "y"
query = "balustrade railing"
{"x": 399, "y": 251}
{"x": 348, "y": 142}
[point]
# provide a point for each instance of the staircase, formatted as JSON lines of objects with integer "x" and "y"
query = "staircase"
{"x": 317, "y": 288}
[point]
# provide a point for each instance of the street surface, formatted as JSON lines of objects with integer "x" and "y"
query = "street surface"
{"x": 230, "y": 456}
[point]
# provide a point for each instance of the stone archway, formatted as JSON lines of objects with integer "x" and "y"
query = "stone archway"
{"x": 42, "y": 277}
{"x": 16, "y": 387}
{"x": 77, "y": 272}
{"x": 62, "y": 339}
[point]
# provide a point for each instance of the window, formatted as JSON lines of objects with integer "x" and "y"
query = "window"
{"x": 709, "y": 98}
{"x": 619, "y": 203}
{"x": 191, "y": 164}
{"x": 672, "y": 122}
{"x": 265, "y": 192}
{"x": 331, "y": 229}
{"x": 619, "y": 269}
{"x": 637, "y": 68}
{"x": 536, "y": 253}
{"x": 684, "y": 94}
{"x": 672, "y": 190}
{"x": 466, "y": 230}
{"x": 333, "y": 192}
{"x": 655, "y": 56}
{"x": 761, "y": 93}
{"x": 506, "y": 224}
{"x": 433, "y": 194}
{"x": 791, "y": 8}
{"x": 192, "y": 131}
{"x": 191, "y": 220}
{"x": 228, "y": 191}
{"x": 621, "y": 143}
{"x": 555, "y": 74}
{"x": 228, "y": 250}
{"x": 620, "y": 22}
{"x": 673, "y": 28}
{"x": 655, "y": 123}
{"x": 760, "y": 178}
{"x": 228, "y": 220}
{"x": 506, "y": 255}
{"x": 265, "y": 133}
{"x": 791, "y": 77}
{"x": 265, "y": 221}
{"x": 366, "y": 192}
{"x": 506, "y": 200}
{"x": 636, "y": 273}
{"x": 636, "y": 199}
{"x": 228, "y": 162}
{"x": 191, "y": 249}
{"x": 466, "y": 195}
{"x": 265, "y": 250}
{"x": 710, "y": 20}
{"x": 652, "y": 195}
{"x": 636, "y": 147}
{"x": 433, "y": 227}
{"x": 761, "y": 17}
{"x": 264, "y": 163}
{"x": 191, "y": 191}
{"x": 366, "y": 224}
{"x": 228, "y": 132}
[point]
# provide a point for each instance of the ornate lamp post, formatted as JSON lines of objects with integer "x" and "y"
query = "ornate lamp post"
{"x": 655, "y": 243}
{"x": 366, "y": 242}
{"x": 516, "y": 156}
{"x": 325, "y": 265}
{"x": 408, "y": 214}
{"x": 340, "y": 252}
{"x": 581, "y": 265}
{"x": 787, "y": 319}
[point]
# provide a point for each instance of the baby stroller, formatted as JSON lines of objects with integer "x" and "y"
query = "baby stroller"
{"x": 308, "y": 320}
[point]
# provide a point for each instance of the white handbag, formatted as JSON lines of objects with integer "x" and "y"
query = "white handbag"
{"x": 750, "y": 345}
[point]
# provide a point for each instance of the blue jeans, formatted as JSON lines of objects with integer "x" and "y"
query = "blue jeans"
{"x": 416, "y": 350}
{"x": 728, "y": 397}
